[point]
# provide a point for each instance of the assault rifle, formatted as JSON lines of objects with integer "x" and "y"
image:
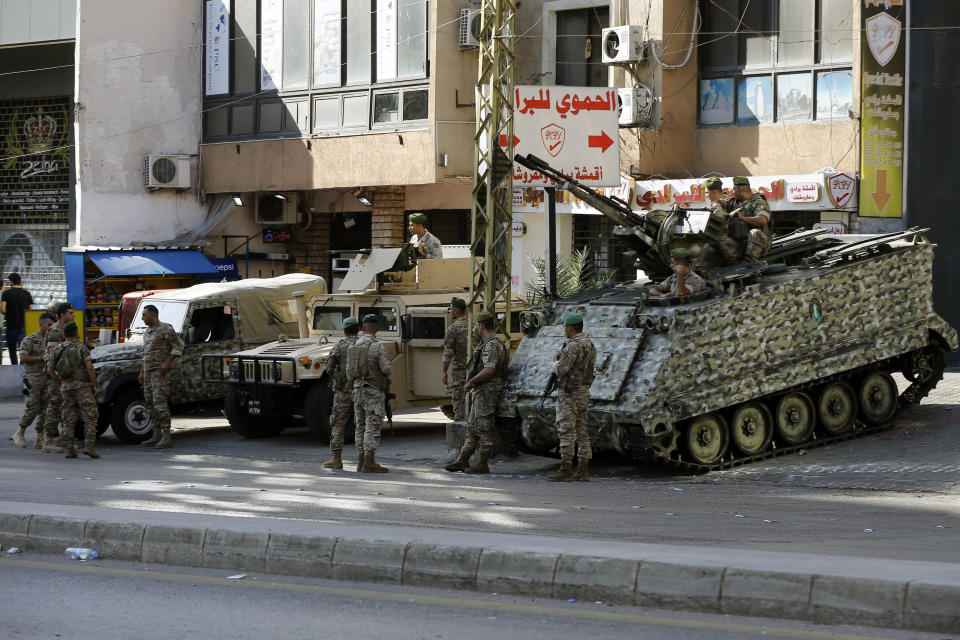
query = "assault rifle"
{"x": 551, "y": 384}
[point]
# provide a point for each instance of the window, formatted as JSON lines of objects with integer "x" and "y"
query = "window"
{"x": 775, "y": 60}
{"x": 327, "y": 318}
{"x": 387, "y": 315}
{"x": 210, "y": 325}
{"x": 302, "y": 67}
{"x": 427, "y": 327}
{"x": 579, "y": 59}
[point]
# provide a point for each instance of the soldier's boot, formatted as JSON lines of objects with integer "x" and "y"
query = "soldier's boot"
{"x": 481, "y": 466}
{"x": 90, "y": 451}
{"x": 335, "y": 462}
{"x": 153, "y": 439}
{"x": 50, "y": 445}
{"x": 462, "y": 463}
{"x": 38, "y": 443}
{"x": 165, "y": 442}
{"x": 582, "y": 474}
{"x": 564, "y": 473}
{"x": 370, "y": 464}
{"x": 360, "y": 456}
{"x": 19, "y": 437}
{"x": 71, "y": 451}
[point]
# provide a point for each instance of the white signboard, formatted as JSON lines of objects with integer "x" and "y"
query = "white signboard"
{"x": 217, "y": 48}
{"x": 326, "y": 42}
{"x": 574, "y": 129}
{"x": 271, "y": 44}
{"x": 386, "y": 39}
{"x": 803, "y": 192}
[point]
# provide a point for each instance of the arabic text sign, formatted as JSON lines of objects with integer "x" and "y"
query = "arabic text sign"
{"x": 575, "y": 129}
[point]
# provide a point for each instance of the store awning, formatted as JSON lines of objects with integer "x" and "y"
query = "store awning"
{"x": 151, "y": 263}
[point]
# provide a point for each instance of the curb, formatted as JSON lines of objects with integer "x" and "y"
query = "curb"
{"x": 731, "y": 586}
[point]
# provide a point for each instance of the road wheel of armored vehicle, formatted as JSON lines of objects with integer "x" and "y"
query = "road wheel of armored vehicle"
{"x": 796, "y": 418}
{"x": 129, "y": 417}
{"x": 751, "y": 428}
{"x": 837, "y": 408}
{"x": 245, "y": 424}
{"x": 707, "y": 438}
{"x": 878, "y": 397}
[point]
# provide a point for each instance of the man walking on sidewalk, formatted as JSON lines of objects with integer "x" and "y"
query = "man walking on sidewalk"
{"x": 32, "y": 352}
{"x": 73, "y": 369}
{"x": 161, "y": 346}
{"x": 14, "y": 303}
{"x": 342, "y": 393}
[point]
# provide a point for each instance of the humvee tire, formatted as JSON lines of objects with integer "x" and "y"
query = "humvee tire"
{"x": 246, "y": 425}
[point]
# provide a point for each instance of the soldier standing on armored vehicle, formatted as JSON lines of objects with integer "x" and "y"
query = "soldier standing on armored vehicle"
{"x": 368, "y": 367}
{"x": 32, "y": 352}
{"x": 684, "y": 281}
{"x": 455, "y": 357}
{"x": 54, "y": 400}
{"x": 342, "y": 394}
{"x": 71, "y": 365}
{"x": 714, "y": 191}
{"x": 161, "y": 346}
{"x": 485, "y": 379}
{"x": 574, "y": 365}
{"x": 749, "y": 219}
{"x": 427, "y": 244}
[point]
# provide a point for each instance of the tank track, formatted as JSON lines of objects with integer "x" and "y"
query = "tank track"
{"x": 911, "y": 396}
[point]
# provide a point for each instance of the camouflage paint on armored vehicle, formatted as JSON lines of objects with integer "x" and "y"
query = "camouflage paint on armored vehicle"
{"x": 279, "y": 384}
{"x": 772, "y": 357}
{"x": 213, "y": 318}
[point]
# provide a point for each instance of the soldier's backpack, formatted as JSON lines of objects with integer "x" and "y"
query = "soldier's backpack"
{"x": 63, "y": 363}
{"x": 340, "y": 365}
{"x": 358, "y": 366}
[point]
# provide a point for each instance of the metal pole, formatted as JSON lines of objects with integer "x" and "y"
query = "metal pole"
{"x": 551, "y": 248}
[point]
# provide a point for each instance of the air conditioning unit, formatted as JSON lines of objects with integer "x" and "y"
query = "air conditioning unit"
{"x": 623, "y": 44}
{"x": 164, "y": 171}
{"x": 276, "y": 208}
{"x": 634, "y": 107}
{"x": 467, "y": 29}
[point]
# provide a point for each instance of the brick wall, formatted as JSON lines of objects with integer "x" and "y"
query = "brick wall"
{"x": 389, "y": 227}
{"x": 310, "y": 248}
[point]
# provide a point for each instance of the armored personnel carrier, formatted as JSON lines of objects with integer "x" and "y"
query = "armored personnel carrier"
{"x": 790, "y": 352}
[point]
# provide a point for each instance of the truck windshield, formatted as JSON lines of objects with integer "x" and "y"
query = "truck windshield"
{"x": 329, "y": 318}
{"x": 387, "y": 315}
{"x": 172, "y": 313}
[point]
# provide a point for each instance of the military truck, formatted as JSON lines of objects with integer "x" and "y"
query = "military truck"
{"x": 211, "y": 318}
{"x": 794, "y": 351}
{"x": 285, "y": 382}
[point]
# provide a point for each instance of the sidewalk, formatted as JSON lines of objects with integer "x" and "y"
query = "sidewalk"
{"x": 922, "y": 596}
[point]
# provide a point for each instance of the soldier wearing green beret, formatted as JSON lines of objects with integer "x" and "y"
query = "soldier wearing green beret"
{"x": 714, "y": 190}
{"x": 574, "y": 365}
{"x": 750, "y": 221}
{"x": 32, "y": 355}
{"x": 455, "y": 357}
{"x": 336, "y": 368}
{"x": 484, "y": 383}
{"x": 427, "y": 244}
{"x": 54, "y": 400}
{"x": 162, "y": 345}
{"x": 684, "y": 281}
{"x": 368, "y": 370}
{"x": 71, "y": 366}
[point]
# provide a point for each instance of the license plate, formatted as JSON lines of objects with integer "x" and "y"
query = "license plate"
{"x": 253, "y": 407}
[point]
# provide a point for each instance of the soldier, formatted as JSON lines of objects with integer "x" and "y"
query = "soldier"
{"x": 32, "y": 352}
{"x": 427, "y": 244}
{"x": 161, "y": 346}
{"x": 684, "y": 281}
{"x": 72, "y": 366}
{"x": 342, "y": 394}
{"x": 487, "y": 371}
{"x": 455, "y": 357}
{"x": 54, "y": 400}
{"x": 574, "y": 365}
{"x": 369, "y": 368}
{"x": 714, "y": 192}
{"x": 750, "y": 221}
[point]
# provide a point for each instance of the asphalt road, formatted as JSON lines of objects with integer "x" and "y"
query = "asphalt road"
{"x": 49, "y": 597}
{"x": 891, "y": 495}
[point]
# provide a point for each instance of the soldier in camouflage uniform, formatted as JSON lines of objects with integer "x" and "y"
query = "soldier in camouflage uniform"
{"x": 714, "y": 188}
{"x": 684, "y": 281}
{"x": 72, "y": 367}
{"x": 368, "y": 367}
{"x": 54, "y": 399}
{"x": 574, "y": 365}
{"x": 336, "y": 367}
{"x": 32, "y": 355}
{"x": 487, "y": 371}
{"x": 455, "y": 357}
{"x": 161, "y": 346}
{"x": 428, "y": 246}
{"x": 749, "y": 219}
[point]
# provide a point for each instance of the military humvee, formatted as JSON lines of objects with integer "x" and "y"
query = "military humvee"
{"x": 211, "y": 318}
{"x": 276, "y": 385}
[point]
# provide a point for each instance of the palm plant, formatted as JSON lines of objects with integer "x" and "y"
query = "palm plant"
{"x": 574, "y": 274}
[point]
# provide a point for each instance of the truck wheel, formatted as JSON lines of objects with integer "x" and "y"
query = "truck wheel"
{"x": 129, "y": 417}
{"x": 103, "y": 419}
{"x": 246, "y": 425}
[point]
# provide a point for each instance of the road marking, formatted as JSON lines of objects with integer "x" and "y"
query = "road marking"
{"x": 445, "y": 601}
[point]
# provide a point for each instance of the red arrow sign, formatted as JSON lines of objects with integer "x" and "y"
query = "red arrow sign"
{"x": 603, "y": 141}
{"x": 503, "y": 140}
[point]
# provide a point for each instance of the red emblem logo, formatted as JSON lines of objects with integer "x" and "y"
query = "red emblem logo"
{"x": 840, "y": 186}
{"x": 552, "y": 137}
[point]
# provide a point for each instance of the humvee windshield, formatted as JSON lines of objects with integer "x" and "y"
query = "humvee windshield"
{"x": 171, "y": 312}
{"x": 329, "y": 318}
{"x": 387, "y": 315}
